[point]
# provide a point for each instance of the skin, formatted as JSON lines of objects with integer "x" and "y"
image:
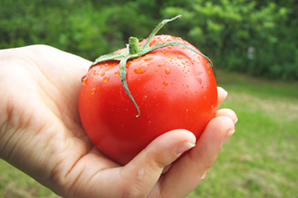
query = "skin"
{"x": 41, "y": 134}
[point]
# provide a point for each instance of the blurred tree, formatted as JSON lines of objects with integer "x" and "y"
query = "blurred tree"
{"x": 225, "y": 30}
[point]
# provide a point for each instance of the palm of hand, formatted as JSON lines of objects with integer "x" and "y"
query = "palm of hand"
{"x": 47, "y": 118}
{"x": 41, "y": 134}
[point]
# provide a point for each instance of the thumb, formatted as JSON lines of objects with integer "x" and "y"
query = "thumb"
{"x": 145, "y": 169}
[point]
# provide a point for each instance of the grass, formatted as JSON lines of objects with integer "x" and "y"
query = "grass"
{"x": 260, "y": 160}
{"x": 16, "y": 184}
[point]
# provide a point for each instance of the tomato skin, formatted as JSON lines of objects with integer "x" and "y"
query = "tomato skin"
{"x": 174, "y": 88}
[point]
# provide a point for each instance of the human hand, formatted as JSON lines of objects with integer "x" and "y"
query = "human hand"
{"x": 41, "y": 134}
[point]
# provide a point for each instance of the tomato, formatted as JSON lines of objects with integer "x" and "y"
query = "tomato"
{"x": 173, "y": 88}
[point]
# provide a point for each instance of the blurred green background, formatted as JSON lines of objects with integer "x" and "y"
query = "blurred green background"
{"x": 224, "y": 30}
{"x": 254, "y": 47}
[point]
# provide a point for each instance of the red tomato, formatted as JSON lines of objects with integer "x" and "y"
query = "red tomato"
{"x": 173, "y": 87}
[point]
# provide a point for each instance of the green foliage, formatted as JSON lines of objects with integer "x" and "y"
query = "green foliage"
{"x": 51, "y": 22}
{"x": 224, "y": 30}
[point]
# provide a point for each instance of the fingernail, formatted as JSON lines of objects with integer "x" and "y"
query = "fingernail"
{"x": 205, "y": 175}
{"x": 236, "y": 121}
{"x": 226, "y": 93}
{"x": 165, "y": 169}
{"x": 228, "y": 135}
{"x": 183, "y": 147}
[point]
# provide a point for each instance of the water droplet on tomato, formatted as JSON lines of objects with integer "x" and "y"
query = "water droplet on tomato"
{"x": 95, "y": 73}
{"x": 179, "y": 57}
{"x": 102, "y": 74}
{"x": 140, "y": 69}
{"x": 145, "y": 97}
{"x": 186, "y": 111}
{"x": 168, "y": 71}
{"x": 84, "y": 80}
{"x": 93, "y": 91}
{"x": 117, "y": 73}
{"x": 148, "y": 58}
{"x": 165, "y": 83}
{"x": 106, "y": 79}
{"x": 199, "y": 79}
{"x": 159, "y": 65}
{"x": 212, "y": 107}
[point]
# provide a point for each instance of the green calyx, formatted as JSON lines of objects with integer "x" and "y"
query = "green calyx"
{"x": 133, "y": 50}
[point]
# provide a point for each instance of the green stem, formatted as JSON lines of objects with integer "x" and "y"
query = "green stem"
{"x": 157, "y": 28}
{"x": 133, "y": 45}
